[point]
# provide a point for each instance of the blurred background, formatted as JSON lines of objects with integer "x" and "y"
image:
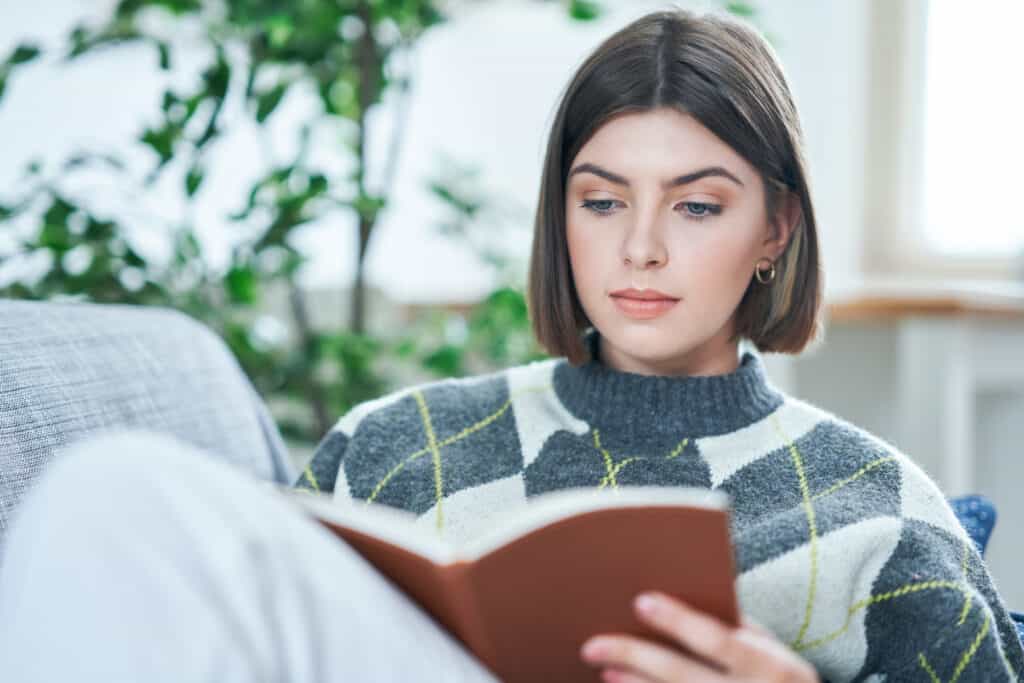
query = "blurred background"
{"x": 344, "y": 191}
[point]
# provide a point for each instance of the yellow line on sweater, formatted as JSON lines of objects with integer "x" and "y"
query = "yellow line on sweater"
{"x": 967, "y": 656}
{"x": 927, "y": 667}
{"x": 609, "y": 465}
{"x": 615, "y": 471}
{"x": 394, "y": 470}
{"x": 853, "y": 477}
{"x": 906, "y": 589}
{"x": 435, "y": 452}
{"x": 452, "y": 439}
{"x": 494, "y": 416}
{"x": 812, "y": 531}
{"x": 312, "y": 480}
{"x": 678, "y": 449}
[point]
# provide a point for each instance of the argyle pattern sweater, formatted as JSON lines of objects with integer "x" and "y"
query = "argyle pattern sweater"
{"x": 844, "y": 548}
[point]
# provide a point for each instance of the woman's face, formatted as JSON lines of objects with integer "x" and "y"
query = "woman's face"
{"x": 656, "y": 202}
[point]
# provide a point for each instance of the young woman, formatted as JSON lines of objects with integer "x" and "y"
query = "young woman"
{"x": 674, "y": 222}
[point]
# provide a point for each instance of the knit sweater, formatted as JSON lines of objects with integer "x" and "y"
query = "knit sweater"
{"x": 844, "y": 548}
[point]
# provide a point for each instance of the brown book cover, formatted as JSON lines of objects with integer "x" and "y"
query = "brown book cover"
{"x": 524, "y": 596}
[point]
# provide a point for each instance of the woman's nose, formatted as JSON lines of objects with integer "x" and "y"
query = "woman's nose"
{"x": 644, "y": 247}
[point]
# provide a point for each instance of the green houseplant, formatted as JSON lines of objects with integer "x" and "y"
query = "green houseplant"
{"x": 258, "y": 51}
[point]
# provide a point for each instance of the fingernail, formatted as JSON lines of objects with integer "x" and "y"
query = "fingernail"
{"x": 646, "y": 603}
{"x": 592, "y": 649}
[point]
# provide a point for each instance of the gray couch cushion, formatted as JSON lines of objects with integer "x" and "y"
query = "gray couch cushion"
{"x": 69, "y": 370}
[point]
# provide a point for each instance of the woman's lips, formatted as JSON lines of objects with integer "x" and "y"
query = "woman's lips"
{"x": 644, "y": 309}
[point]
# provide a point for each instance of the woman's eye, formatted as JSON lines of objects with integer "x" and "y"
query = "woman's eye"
{"x": 599, "y": 206}
{"x": 700, "y": 210}
{"x": 692, "y": 210}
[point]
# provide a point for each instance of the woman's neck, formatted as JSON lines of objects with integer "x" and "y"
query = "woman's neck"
{"x": 717, "y": 356}
{"x": 621, "y": 400}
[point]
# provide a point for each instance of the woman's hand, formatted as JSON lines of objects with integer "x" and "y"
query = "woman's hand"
{"x": 747, "y": 653}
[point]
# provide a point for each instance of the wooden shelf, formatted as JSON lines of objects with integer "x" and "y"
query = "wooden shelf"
{"x": 890, "y": 301}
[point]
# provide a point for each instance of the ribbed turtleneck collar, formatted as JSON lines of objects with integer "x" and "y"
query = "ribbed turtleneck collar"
{"x": 697, "y": 406}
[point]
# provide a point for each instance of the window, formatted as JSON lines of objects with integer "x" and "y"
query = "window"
{"x": 973, "y": 137}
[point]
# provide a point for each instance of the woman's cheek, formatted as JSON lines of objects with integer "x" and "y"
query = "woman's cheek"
{"x": 590, "y": 256}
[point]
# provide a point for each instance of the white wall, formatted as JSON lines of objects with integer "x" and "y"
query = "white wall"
{"x": 1000, "y": 476}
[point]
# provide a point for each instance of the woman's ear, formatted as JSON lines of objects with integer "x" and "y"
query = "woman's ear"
{"x": 788, "y": 214}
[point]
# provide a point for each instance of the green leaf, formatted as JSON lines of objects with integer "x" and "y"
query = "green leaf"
{"x": 164, "y": 51}
{"x": 404, "y": 348}
{"x": 218, "y": 76}
{"x": 55, "y": 233}
{"x": 317, "y": 184}
{"x": 367, "y": 206}
{"x": 132, "y": 258}
{"x": 127, "y": 8}
{"x": 59, "y": 211}
{"x": 168, "y": 101}
{"x": 119, "y": 30}
{"x": 584, "y": 10}
{"x": 267, "y": 102}
{"x": 162, "y": 140}
{"x": 192, "y": 103}
{"x": 79, "y": 40}
{"x": 741, "y": 9}
{"x": 24, "y": 53}
{"x": 178, "y": 7}
{"x": 98, "y": 230}
{"x": 279, "y": 28}
{"x": 193, "y": 179}
{"x": 241, "y": 284}
{"x": 445, "y": 361}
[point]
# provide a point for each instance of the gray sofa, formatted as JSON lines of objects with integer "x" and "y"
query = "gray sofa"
{"x": 70, "y": 370}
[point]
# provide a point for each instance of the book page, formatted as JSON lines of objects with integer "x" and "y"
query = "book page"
{"x": 399, "y": 527}
{"x": 389, "y": 524}
{"x": 547, "y": 508}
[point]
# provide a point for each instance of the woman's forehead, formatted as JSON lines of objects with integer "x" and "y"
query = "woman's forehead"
{"x": 658, "y": 145}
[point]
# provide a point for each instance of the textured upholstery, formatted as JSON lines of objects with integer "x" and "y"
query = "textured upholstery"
{"x": 70, "y": 370}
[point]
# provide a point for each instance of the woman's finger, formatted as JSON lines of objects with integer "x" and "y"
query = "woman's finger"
{"x": 700, "y": 633}
{"x": 748, "y": 622}
{"x": 612, "y": 675}
{"x": 650, "y": 661}
{"x": 743, "y": 651}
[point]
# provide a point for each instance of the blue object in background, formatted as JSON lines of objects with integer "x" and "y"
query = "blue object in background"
{"x": 977, "y": 514}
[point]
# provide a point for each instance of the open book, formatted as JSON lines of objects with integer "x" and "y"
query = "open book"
{"x": 525, "y": 595}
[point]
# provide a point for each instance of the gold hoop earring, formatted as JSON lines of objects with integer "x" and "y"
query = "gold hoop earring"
{"x": 764, "y": 276}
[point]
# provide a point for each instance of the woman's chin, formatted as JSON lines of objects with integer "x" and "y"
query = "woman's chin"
{"x": 646, "y": 344}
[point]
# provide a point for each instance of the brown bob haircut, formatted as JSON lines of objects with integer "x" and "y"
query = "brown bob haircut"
{"x": 727, "y": 77}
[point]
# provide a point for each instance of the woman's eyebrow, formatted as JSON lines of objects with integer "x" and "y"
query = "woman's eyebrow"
{"x": 675, "y": 182}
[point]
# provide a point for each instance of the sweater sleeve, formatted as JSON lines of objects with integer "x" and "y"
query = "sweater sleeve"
{"x": 934, "y": 613}
{"x": 326, "y": 469}
{"x": 321, "y": 474}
